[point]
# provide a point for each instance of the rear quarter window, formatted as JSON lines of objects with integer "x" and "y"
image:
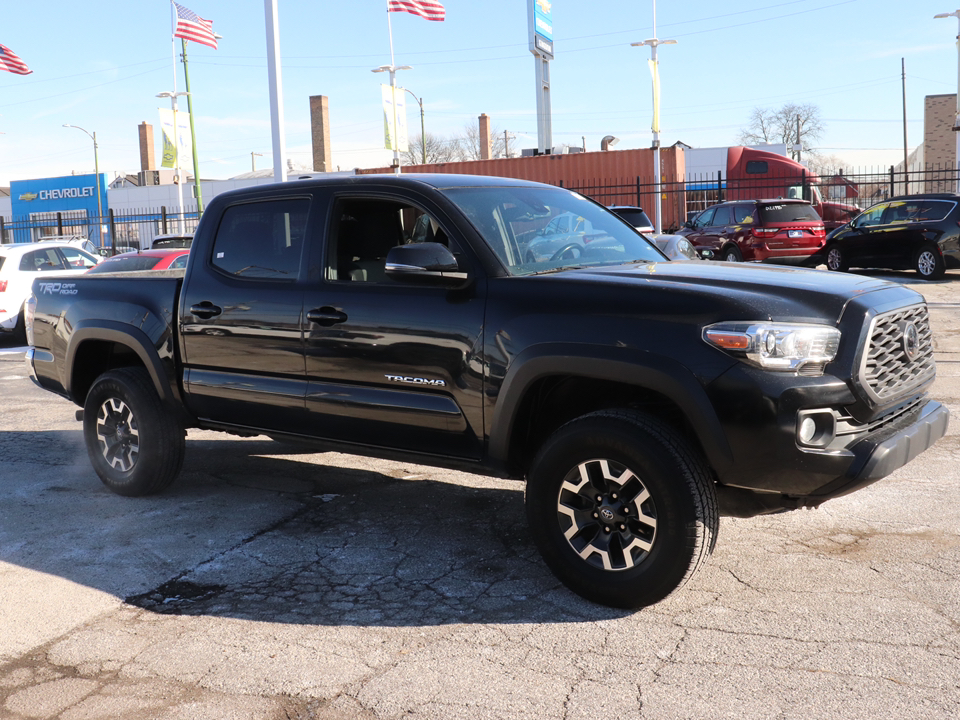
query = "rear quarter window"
{"x": 929, "y": 210}
{"x": 788, "y": 212}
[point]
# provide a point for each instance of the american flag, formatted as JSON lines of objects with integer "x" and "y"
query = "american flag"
{"x": 191, "y": 26}
{"x": 11, "y": 63}
{"x": 428, "y": 9}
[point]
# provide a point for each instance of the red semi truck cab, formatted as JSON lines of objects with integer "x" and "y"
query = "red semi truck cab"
{"x": 753, "y": 174}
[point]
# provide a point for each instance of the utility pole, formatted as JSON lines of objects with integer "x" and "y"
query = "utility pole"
{"x": 506, "y": 144}
{"x": 253, "y": 160}
{"x": 906, "y": 176}
{"x": 799, "y": 146}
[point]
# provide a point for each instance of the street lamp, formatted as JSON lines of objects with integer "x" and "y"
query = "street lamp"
{"x": 176, "y": 154}
{"x": 654, "y": 43}
{"x": 96, "y": 171}
{"x": 423, "y": 132}
{"x": 956, "y": 120}
{"x": 392, "y": 69}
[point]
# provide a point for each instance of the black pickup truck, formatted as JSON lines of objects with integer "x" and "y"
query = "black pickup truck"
{"x": 402, "y": 317}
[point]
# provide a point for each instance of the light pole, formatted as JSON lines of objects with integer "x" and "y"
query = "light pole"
{"x": 654, "y": 42}
{"x": 423, "y": 132}
{"x": 392, "y": 69}
{"x": 96, "y": 171}
{"x": 176, "y": 155}
{"x": 956, "y": 120}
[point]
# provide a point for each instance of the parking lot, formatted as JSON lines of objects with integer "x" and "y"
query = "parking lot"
{"x": 270, "y": 582}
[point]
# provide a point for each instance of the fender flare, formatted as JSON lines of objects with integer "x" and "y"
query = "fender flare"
{"x": 121, "y": 334}
{"x": 639, "y": 368}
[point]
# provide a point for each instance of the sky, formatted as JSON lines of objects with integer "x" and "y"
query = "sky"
{"x": 100, "y": 65}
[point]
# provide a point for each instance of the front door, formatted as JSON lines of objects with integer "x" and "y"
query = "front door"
{"x": 392, "y": 364}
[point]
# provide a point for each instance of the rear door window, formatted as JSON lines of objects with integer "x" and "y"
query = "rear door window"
{"x": 262, "y": 240}
{"x": 724, "y": 216}
{"x": 788, "y": 212}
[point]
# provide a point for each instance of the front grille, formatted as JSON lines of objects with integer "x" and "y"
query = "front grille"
{"x": 887, "y": 371}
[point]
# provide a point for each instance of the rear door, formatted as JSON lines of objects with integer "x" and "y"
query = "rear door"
{"x": 392, "y": 364}
{"x": 240, "y": 317}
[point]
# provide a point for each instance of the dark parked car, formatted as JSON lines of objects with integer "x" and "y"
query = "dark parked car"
{"x": 919, "y": 232}
{"x": 633, "y": 215}
{"x": 782, "y": 231}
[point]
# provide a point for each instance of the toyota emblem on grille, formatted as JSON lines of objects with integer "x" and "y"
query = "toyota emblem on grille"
{"x": 911, "y": 341}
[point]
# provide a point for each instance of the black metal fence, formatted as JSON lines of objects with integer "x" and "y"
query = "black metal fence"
{"x": 859, "y": 189}
{"x": 134, "y": 228}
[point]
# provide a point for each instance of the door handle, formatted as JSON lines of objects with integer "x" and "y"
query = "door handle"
{"x": 205, "y": 310}
{"x": 326, "y": 316}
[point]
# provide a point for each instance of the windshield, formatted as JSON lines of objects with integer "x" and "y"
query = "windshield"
{"x": 534, "y": 229}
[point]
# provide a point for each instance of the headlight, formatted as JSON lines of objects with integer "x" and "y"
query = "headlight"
{"x": 790, "y": 347}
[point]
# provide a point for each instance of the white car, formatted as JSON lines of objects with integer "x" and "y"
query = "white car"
{"x": 22, "y": 263}
{"x": 76, "y": 240}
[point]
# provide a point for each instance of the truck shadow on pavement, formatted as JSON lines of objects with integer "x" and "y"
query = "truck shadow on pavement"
{"x": 248, "y": 533}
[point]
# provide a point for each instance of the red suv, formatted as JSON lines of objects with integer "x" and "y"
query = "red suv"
{"x": 773, "y": 231}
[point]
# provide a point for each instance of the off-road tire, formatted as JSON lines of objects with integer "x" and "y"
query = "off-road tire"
{"x": 663, "y": 479}
{"x": 135, "y": 442}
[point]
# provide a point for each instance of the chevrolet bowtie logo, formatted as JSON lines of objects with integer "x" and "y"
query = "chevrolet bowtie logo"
{"x": 27, "y": 197}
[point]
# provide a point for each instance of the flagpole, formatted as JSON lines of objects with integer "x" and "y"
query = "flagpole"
{"x": 176, "y": 128}
{"x": 393, "y": 94}
{"x": 193, "y": 135}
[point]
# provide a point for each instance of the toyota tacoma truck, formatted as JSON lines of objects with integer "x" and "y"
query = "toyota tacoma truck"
{"x": 398, "y": 317}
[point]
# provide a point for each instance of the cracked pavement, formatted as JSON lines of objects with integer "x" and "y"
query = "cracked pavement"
{"x": 270, "y": 582}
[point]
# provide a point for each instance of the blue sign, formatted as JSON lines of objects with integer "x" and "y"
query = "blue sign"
{"x": 74, "y": 196}
{"x": 543, "y": 19}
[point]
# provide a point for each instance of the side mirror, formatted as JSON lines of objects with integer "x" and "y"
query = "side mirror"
{"x": 424, "y": 262}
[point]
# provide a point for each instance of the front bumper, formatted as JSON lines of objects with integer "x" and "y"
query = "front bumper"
{"x": 889, "y": 449}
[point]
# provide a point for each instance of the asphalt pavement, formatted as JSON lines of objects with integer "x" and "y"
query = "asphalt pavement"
{"x": 270, "y": 582}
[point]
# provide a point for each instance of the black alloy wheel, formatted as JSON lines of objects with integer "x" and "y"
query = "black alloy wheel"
{"x": 135, "y": 441}
{"x": 621, "y": 508}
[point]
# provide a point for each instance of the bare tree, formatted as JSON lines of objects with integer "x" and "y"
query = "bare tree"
{"x": 439, "y": 149}
{"x": 825, "y": 165}
{"x": 788, "y": 124}
{"x": 468, "y": 143}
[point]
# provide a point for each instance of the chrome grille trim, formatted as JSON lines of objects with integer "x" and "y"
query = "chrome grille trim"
{"x": 886, "y": 373}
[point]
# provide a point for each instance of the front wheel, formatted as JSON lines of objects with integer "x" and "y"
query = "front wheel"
{"x": 135, "y": 442}
{"x": 622, "y": 510}
{"x": 929, "y": 263}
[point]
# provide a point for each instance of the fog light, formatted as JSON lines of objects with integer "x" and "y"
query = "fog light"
{"x": 816, "y": 428}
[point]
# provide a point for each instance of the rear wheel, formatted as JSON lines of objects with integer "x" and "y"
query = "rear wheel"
{"x": 836, "y": 259}
{"x": 135, "y": 442}
{"x": 621, "y": 508}
{"x": 732, "y": 254}
{"x": 929, "y": 263}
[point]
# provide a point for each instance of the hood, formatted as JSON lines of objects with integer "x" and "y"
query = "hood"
{"x": 754, "y": 291}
